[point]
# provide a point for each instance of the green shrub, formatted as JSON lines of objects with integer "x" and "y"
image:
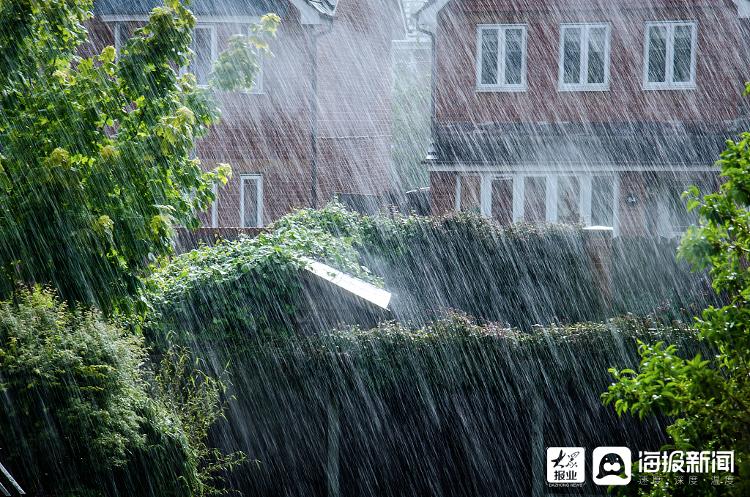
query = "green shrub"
{"x": 444, "y": 409}
{"x": 80, "y": 416}
{"x": 247, "y": 286}
{"x": 647, "y": 278}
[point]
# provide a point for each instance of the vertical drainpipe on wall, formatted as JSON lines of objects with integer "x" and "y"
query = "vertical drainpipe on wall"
{"x": 314, "y": 115}
{"x": 432, "y": 151}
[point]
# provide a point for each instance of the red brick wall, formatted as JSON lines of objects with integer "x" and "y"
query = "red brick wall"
{"x": 721, "y": 65}
{"x": 269, "y": 133}
{"x": 442, "y": 192}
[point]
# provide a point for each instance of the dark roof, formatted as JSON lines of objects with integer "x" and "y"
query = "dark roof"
{"x": 218, "y": 8}
{"x": 656, "y": 145}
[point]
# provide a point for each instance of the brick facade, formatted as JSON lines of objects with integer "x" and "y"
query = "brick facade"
{"x": 651, "y": 143}
{"x": 269, "y": 133}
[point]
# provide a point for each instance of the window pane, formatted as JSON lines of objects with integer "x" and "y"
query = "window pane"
{"x": 489, "y": 57}
{"x": 470, "y": 199}
{"x": 657, "y": 54}
{"x": 535, "y": 199}
{"x": 572, "y": 55}
{"x": 513, "y": 56}
{"x": 251, "y": 202}
{"x": 597, "y": 54}
{"x": 683, "y": 54}
{"x": 201, "y": 64}
{"x": 502, "y": 200}
{"x": 602, "y": 201}
{"x": 568, "y": 200}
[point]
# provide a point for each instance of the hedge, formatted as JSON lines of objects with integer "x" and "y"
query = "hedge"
{"x": 445, "y": 409}
{"x": 83, "y": 414}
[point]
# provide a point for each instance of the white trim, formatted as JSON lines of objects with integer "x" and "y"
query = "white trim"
{"x": 485, "y": 195}
{"x": 668, "y": 84}
{"x": 307, "y": 13}
{"x": 552, "y": 191}
{"x": 536, "y": 169}
{"x": 116, "y": 31}
{"x": 616, "y": 206}
{"x": 519, "y": 198}
{"x": 583, "y": 67}
{"x": 257, "y": 88}
{"x": 107, "y": 18}
{"x": 214, "y": 49}
{"x": 258, "y": 178}
{"x": 500, "y": 85}
{"x": 743, "y": 8}
{"x": 585, "y": 188}
{"x": 427, "y": 17}
{"x": 215, "y": 207}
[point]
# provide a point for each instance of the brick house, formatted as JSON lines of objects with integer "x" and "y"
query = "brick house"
{"x": 593, "y": 111}
{"x": 317, "y": 122}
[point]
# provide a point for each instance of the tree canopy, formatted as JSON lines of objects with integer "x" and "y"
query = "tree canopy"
{"x": 96, "y": 152}
{"x": 708, "y": 397}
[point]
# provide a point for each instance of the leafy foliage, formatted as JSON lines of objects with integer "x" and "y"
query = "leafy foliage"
{"x": 96, "y": 164}
{"x": 238, "y": 65}
{"x": 447, "y": 394}
{"x": 82, "y": 417}
{"x": 708, "y": 395}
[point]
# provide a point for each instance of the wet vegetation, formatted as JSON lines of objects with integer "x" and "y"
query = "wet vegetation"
{"x": 125, "y": 370}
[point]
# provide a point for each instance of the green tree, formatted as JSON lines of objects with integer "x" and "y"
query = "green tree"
{"x": 708, "y": 397}
{"x": 96, "y": 153}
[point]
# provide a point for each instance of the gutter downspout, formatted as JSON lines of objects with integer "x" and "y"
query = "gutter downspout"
{"x": 313, "y": 103}
{"x": 432, "y": 151}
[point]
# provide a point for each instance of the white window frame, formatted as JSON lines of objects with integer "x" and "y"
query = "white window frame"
{"x": 117, "y": 33}
{"x": 215, "y": 207}
{"x": 500, "y": 86}
{"x": 257, "y": 88}
{"x": 258, "y": 178}
{"x": 585, "y": 180}
{"x": 583, "y": 76}
{"x": 214, "y": 49}
{"x": 669, "y": 84}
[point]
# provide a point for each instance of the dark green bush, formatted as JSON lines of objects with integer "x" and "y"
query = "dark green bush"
{"x": 80, "y": 416}
{"x": 247, "y": 286}
{"x": 647, "y": 278}
{"x": 521, "y": 274}
{"x": 445, "y": 409}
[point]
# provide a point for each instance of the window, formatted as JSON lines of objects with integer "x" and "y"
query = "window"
{"x": 251, "y": 201}
{"x": 568, "y": 200}
{"x": 670, "y": 55}
{"x": 602, "y": 201}
{"x": 502, "y": 200}
{"x": 535, "y": 199}
{"x": 121, "y": 35}
{"x": 556, "y": 198}
{"x": 258, "y": 81}
{"x": 468, "y": 190}
{"x": 501, "y": 57}
{"x": 204, "y": 53}
{"x": 584, "y": 57}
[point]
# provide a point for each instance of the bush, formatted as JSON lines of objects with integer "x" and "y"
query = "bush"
{"x": 647, "y": 278}
{"x": 80, "y": 416}
{"x": 444, "y": 409}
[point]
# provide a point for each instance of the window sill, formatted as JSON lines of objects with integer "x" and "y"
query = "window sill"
{"x": 669, "y": 87}
{"x": 582, "y": 88}
{"x": 501, "y": 89}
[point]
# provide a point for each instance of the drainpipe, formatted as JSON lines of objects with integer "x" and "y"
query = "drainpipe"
{"x": 313, "y": 103}
{"x": 432, "y": 151}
